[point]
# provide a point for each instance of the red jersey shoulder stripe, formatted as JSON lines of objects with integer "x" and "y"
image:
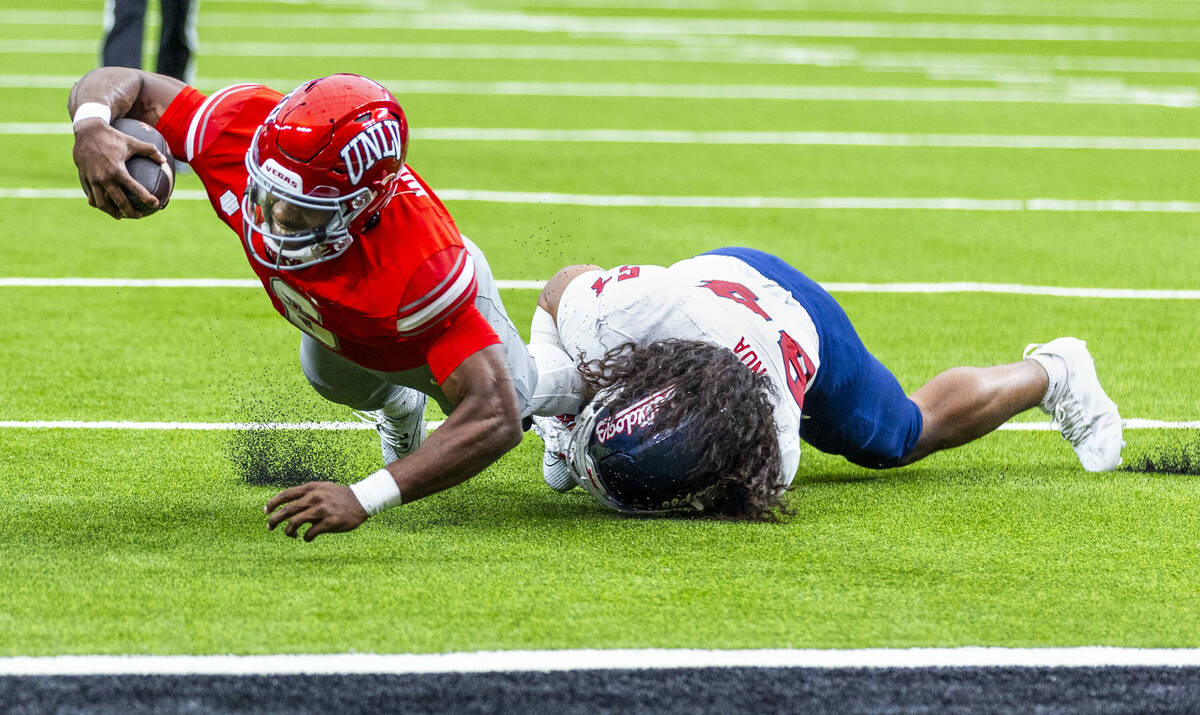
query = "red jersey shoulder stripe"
{"x": 468, "y": 297}
{"x": 195, "y": 134}
{"x": 458, "y": 287}
{"x": 441, "y": 269}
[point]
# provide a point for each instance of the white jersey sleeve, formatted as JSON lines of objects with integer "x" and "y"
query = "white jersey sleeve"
{"x": 600, "y": 310}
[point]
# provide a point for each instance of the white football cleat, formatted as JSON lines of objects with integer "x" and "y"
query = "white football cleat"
{"x": 1082, "y": 411}
{"x": 556, "y": 436}
{"x": 399, "y": 436}
{"x": 556, "y": 472}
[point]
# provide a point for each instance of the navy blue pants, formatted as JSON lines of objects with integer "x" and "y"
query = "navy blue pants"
{"x": 855, "y": 407}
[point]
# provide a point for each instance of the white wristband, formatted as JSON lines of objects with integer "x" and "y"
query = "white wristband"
{"x": 377, "y": 492}
{"x": 92, "y": 110}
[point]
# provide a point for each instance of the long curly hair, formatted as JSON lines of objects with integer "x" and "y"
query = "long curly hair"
{"x": 732, "y": 413}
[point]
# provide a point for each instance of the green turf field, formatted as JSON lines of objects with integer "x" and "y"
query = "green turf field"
{"x": 151, "y": 541}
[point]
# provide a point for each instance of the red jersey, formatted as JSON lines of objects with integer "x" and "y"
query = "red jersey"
{"x": 403, "y": 293}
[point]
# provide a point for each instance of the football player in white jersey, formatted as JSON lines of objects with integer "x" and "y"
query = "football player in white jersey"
{"x": 660, "y": 389}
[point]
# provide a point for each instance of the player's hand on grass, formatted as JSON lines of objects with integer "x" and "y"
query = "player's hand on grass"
{"x": 100, "y": 154}
{"x": 327, "y": 507}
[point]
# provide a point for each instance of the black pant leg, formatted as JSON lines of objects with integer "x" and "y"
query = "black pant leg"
{"x": 174, "y": 48}
{"x": 122, "y": 46}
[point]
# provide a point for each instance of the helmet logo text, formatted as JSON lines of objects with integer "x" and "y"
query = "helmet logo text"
{"x": 287, "y": 177}
{"x": 379, "y": 140}
{"x": 640, "y": 414}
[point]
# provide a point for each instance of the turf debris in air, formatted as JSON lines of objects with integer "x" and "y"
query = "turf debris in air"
{"x": 286, "y": 458}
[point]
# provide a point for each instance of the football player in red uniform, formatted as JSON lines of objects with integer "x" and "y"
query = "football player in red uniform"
{"x": 353, "y": 248}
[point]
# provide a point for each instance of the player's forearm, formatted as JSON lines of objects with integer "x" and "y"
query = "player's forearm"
{"x": 473, "y": 437}
{"x": 126, "y": 92}
{"x": 115, "y": 87}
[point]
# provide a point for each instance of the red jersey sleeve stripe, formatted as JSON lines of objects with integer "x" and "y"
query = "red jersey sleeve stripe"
{"x": 177, "y": 116}
{"x": 468, "y": 298}
{"x": 200, "y": 119}
{"x": 462, "y": 287}
{"x": 451, "y": 276}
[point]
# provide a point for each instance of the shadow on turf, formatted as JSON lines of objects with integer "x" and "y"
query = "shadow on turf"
{"x": 829, "y": 478}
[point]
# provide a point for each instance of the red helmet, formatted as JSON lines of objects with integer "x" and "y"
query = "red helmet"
{"x": 325, "y": 161}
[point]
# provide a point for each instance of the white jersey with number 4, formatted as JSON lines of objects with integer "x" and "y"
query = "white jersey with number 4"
{"x": 714, "y": 299}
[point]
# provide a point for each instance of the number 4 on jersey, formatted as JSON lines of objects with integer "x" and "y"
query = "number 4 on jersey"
{"x": 738, "y": 293}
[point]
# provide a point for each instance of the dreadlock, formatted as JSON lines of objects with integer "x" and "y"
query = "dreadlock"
{"x": 731, "y": 411}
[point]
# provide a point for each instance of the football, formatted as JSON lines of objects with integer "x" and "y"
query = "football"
{"x": 158, "y": 180}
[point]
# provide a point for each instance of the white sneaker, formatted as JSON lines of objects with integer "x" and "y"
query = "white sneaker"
{"x": 1082, "y": 411}
{"x": 399, "y": 436}
{"x": 556, "y": 472}
{"x": 555, "y": 435}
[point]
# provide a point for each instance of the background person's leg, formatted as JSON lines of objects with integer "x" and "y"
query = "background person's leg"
{"x": 124, "y": 23}
{"x": 177, "y": 42}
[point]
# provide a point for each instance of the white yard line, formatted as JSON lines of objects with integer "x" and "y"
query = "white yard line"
{"x": 1024, "y": 8}
{"x": 130, "y": 283}
{"x": 568, "y": 660}
{"x": 700, "y": 52}
{"x": 196, "y": 426}
{"x": 823, "y": 202}
{"x": 1013, "y": 289}
{"x": 833, "y": 287}
{"x": 887, "y": 203}
{"x": 656, "y": 27}
{"x": 1094, "y": 9}
{"x": 1130, "y": 424}
{"x": 187, "y": 283}
{"x": 691, "y": 50}
{"x": 1068, "y": 92}
{"x": 872, "y": 139}
{"x": 655, "y": 136}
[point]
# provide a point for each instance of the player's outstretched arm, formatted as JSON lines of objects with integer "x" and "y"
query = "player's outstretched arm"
{"x": 485, "y": 424}
{"x": 100, "y": 151}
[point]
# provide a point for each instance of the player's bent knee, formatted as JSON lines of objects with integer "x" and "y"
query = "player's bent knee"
{"x": 355, "y": 400}
{"x": 895, "y": 440}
